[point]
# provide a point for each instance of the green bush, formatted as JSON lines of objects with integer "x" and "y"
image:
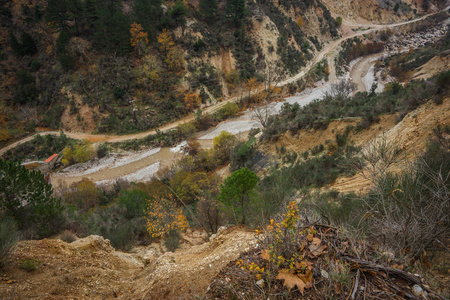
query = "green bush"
{"x": 110, "y": 222}
{"x": 229, "y": 110}
{"x": 186, "y": 130}
{"x": 134, "y": 201}
{"x": 9, "y": 236}
{"x": 409, "y": 209}
{"x": 26, "y": 92}
{"x": 337, "y": 208}
{"x": 172, "y": 241}
{"x": 35, "y": 65}
{"x": 102, "y": 150}
{"x": 29, "y": 265}
{"x": 222, "y": 145}
{"x": 241, "y": 155}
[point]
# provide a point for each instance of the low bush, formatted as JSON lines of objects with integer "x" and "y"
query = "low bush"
{"x": 241, "y": 155}
{"x": 83, "y": 194}
{"x": 102, "y": 150}
{"x": 111, "y": 223}
{"x": 222, "y": 145}
{"x": 29, "y": 265}
{"x": 78, "y": 153}
{"x": 68, "y": 237}
{"x": 410, "y": 209}
{"x": 172, "y": 240}
{"x": 229, "y": 110}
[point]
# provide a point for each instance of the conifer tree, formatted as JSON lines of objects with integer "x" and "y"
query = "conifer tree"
{"x": 148, "y": 13}
{"x": 57, "y": 12}
{"x": 112, "y": 31}
{"x": 28, "y": 44}
{"x": 208, "y": 9}
{"x": 178, "y": 13}
{"x": 236, "y": 11}
{"x": 91, "y": 12}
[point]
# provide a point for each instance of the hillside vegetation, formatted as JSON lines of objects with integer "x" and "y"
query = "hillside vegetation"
{"x": 104, "y": 66}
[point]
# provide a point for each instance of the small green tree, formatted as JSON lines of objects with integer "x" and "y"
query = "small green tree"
{"x": 235, "y": 192}
{"x": 339, "y": 21}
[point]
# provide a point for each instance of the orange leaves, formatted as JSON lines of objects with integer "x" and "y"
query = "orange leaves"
{"x": 138, "y": 36}
{"x": 251, "y": 84}
{"x": 300, "y": 21}
{"x": 174, "y": 53}
{"x": 192, "y": 100}
{"x": 163, "y": 216}
{"x": 165, "y": 40}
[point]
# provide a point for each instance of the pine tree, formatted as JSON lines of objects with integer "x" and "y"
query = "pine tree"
{"x": 91, "y": 12}
{"x": 26, "y": 197}
{"x": 178, "y": 13}
{"x": 62, "y": 42}
{"x": 208, "y": 9}
{"x": 236, "y": 11}
{"x": 57, "y": 12}
{"x": 28, "y": 44}
{"x": 15, "y": 45}
{"x": 148, "y": 13}
{"x": 112, "y": 31}
{"x": 26, "y": 88}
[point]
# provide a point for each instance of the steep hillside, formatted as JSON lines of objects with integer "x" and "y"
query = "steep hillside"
{"x": 357, "y": 13}
{"x": 107, "y": 67}
{"x": 95, "y": 66}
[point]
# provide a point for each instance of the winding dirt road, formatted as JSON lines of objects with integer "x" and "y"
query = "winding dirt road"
{"x": 165, "y": 155}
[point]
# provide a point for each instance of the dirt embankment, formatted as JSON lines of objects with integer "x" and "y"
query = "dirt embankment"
{"x": 436, "y": 65}
{"x": 90, "y": 268}
{"x": 411, "y": 135}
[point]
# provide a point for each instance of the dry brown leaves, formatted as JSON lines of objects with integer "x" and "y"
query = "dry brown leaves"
{"x": 291, "y": 280}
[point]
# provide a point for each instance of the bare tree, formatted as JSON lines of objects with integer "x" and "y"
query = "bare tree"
{"x": 377, "y": 158}
{"x": 28, "y": 113}
{"x": 341, "y": 90}
{"x": 262, "y": 113}
{"x": 271, "y": 79}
